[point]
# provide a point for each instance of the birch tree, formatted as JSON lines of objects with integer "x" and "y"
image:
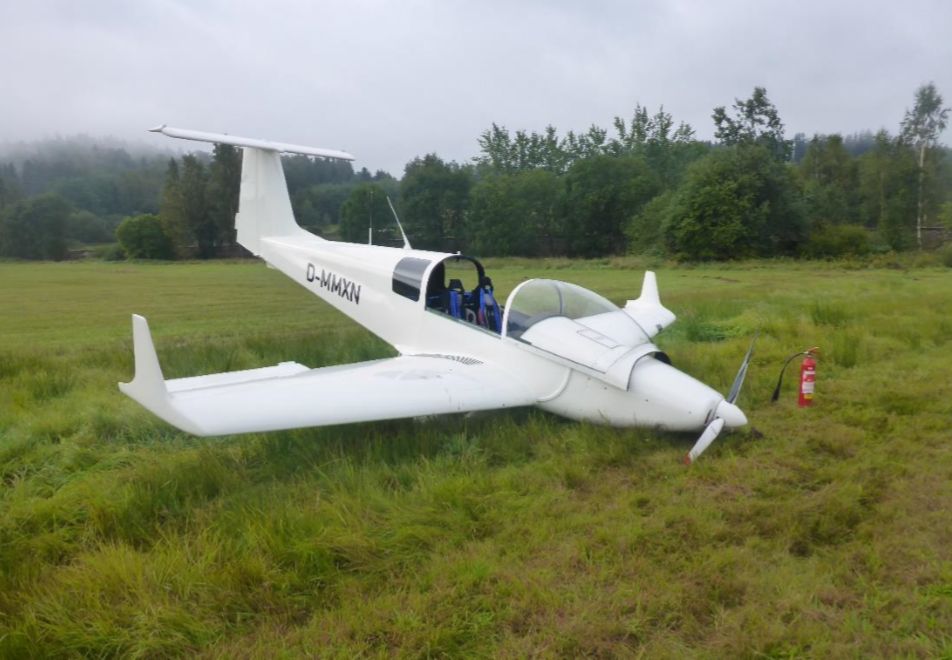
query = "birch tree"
{"x": 921, "y": 128}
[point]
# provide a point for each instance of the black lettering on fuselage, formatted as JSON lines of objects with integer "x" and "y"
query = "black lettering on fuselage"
{"x": 335, "y": 283}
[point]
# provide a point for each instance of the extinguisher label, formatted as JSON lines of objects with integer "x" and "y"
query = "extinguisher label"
{"x": 807, "y": 384}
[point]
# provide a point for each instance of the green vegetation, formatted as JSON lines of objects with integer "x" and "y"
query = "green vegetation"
{"x": 644, "y": 186}
{"x": 35, "y": 228}
{"x": 97, "y": 185}
{"x": 142, "y": 237}
{"x": 821, "y": 532}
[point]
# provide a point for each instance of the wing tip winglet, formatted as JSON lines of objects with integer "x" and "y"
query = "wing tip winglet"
{"x": 147, "y": 381}
{"x": 147, "y": 386}
{"x": 649, "y": 288}
{"x": 647, "y": 310}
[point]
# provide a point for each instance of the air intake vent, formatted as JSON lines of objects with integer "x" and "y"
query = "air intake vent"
{"x": 456, "y": 358}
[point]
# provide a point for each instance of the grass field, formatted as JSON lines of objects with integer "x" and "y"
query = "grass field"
{"x": 824, "y": 532}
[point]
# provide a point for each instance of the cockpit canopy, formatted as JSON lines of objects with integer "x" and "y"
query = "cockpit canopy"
{"x": 577, "y": 325}
{"x": 540, "y": 299}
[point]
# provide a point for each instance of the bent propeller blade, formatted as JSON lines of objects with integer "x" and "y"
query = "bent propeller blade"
{"x": 710, "y": 434}
{"x": 741, "y": 373}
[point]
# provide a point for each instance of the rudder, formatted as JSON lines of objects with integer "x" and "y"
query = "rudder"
{"x": 264, "y": 207}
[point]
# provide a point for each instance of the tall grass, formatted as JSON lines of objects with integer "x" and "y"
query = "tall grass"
{"x": 822, "y": 532}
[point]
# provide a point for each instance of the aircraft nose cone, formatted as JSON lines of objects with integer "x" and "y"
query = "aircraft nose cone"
{"x": 731, "y": 414}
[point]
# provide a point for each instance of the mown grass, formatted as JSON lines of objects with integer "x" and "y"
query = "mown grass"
{"x": 818, "y": 532}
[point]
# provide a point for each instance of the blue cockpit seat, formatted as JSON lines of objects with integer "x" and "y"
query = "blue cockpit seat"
{"x": 454, "y": 299}
{"x": 488, "y": 313}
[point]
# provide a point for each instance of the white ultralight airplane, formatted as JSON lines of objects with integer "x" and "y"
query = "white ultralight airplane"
{"x": 553, "y": 344}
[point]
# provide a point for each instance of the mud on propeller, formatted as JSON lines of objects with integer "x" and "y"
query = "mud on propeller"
{"x": 725, "y": 413}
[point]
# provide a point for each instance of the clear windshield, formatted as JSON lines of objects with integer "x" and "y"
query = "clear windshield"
{"x": 536, "y": 300}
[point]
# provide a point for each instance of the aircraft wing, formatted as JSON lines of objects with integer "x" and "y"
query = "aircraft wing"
{"x": 290, "y": 395}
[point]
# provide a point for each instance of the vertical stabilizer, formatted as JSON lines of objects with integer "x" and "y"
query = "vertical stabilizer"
{"x": 264, "y": 208}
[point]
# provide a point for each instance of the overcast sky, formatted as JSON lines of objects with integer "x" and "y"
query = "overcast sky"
{"x": 391, "y": 81}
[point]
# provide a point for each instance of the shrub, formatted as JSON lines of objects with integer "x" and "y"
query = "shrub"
{"x": 143, "y": 237}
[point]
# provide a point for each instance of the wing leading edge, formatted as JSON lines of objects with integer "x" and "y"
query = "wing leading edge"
{"x": 290, "y": 395}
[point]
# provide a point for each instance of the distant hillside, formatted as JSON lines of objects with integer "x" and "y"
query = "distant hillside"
{"x": 104, "y": 176}
{"x": 80, "y": 146}
{"x": 94, "y": 183}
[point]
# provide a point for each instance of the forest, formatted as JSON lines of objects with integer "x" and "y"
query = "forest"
{"x": 646, "y": 185}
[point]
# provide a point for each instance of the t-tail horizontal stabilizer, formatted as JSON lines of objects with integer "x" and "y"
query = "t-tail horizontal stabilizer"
{"x": 254, "y": 143}
{"x": 264, "y": 208}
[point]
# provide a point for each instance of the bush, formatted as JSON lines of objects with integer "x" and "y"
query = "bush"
{"x": 143, "y": 237}
{"x": 830, "y": 241}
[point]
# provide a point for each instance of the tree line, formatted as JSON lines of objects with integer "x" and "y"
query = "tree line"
{"x": 76, "y": 194}
{"x": 645, "y": 185}
{"x": 649, "y": 186}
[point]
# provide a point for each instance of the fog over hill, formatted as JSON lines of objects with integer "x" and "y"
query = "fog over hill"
{"x": 84, "y": 147}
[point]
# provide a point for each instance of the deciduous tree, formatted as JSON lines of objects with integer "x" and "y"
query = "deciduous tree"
{"x": 433, "y": 199}
{"x": 601, "y": 195}
{"x": 367, "y": 207}
{"x": 516, "y": 214}
{"x": 754, "y": 121}
{"x": 887, "y": 183}
{"x": 921, "y": 128}
{"x": 830, "y": 179}
{"x": 735, "y": 203}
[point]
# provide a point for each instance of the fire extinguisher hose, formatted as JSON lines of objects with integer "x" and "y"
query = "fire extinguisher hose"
{"x": 808, "y": 353}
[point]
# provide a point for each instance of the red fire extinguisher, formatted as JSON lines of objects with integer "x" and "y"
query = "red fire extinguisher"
{"x": 807, "y": 380}
{"x": 807, "y": 377}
